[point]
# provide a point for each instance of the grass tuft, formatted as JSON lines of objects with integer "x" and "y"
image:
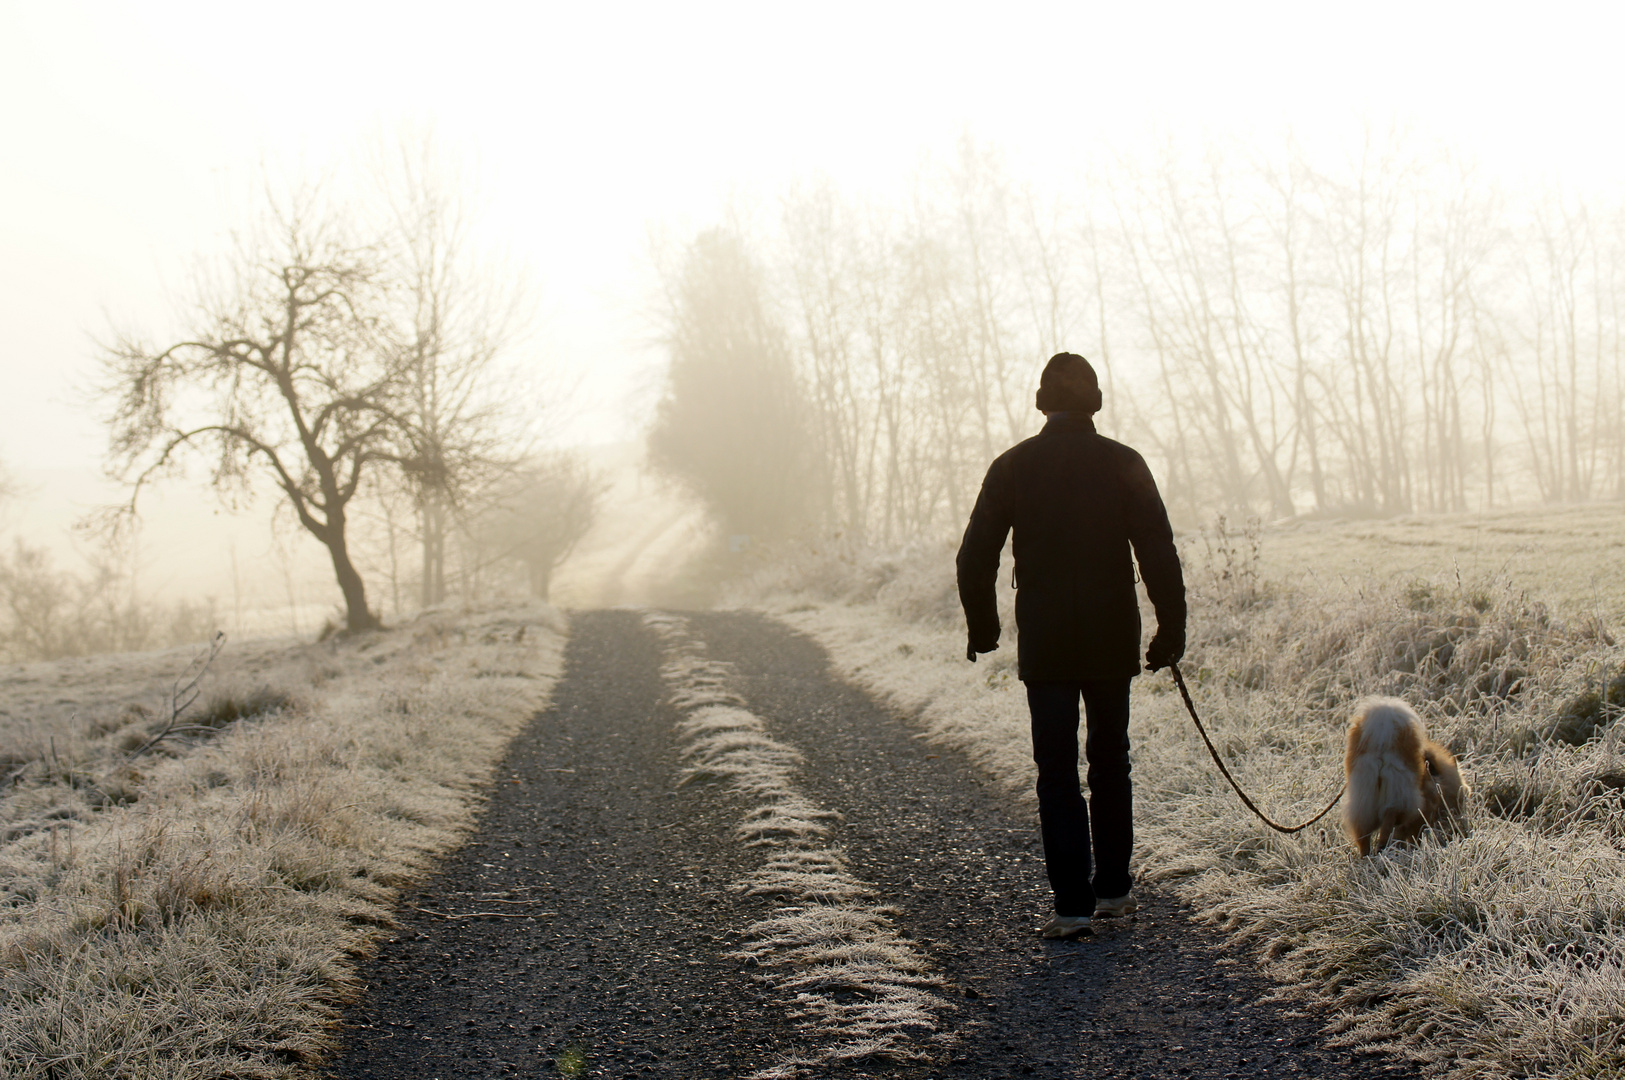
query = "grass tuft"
{"x": 850, "y": 975}
{"x": 230, "y": 706}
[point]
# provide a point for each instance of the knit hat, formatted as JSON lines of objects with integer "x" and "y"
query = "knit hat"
{"x": 1069, "y": 384}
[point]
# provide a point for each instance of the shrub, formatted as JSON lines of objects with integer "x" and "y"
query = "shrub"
{"x": 47, "y": 613}
{"x": 229, "y": 706}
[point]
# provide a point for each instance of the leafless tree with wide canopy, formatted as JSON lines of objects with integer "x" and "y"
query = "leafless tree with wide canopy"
{"x": 288, "y": 372}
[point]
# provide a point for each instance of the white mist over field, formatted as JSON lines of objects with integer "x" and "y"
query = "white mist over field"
{"x": 593, "y": 142}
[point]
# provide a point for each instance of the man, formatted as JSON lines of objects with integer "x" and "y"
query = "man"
{"x": 1077, "y": 502}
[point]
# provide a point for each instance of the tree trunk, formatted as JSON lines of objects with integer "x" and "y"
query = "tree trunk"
{"x": 541, "y": 574}
{"x": 434, "y": 549}
{"x": 356, "y": 615}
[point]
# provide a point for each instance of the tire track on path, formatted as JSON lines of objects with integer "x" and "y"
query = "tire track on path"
{"x": 865, "y": 992}
{"x": 624, "y": 970}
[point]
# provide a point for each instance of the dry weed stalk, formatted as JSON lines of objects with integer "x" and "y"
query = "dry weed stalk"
{"x": 185, "y": 692}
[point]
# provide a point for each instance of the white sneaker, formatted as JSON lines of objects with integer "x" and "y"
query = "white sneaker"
{"x": 1118, "y": 906}
{"x": 1066, "y": 926}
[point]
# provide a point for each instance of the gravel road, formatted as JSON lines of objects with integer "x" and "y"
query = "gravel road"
{"x": 594, "y": 926}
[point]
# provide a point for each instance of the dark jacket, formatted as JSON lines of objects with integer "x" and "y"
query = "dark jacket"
{"x": 1076, "y": 501}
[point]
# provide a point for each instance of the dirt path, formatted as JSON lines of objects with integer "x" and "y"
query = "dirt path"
{"x": 618, "y": 953}
{"x": 609, "y": 573}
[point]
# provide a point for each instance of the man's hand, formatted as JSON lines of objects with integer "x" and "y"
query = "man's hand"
{"x": 1166, "y": 648}
{"x": 972, "y": 647}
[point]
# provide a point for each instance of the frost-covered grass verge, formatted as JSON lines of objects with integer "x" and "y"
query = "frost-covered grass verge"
{"x": 851, "y": 976}
{"x": 1498, "y": 953}
{"x": 197, "y": 909}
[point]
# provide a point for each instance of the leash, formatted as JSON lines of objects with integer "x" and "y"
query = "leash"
{"x": 1190, "y": 707}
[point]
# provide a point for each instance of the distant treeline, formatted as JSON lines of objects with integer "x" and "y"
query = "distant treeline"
{"x": 47, "y": 612}
{"x": 1391, "y": 335}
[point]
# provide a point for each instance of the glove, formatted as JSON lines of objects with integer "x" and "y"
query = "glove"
{"x": 972, "y": 647}
{"x": 1166, "y": 647}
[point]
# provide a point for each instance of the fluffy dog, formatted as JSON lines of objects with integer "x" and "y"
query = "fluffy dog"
{"x": 1399, "y": 780}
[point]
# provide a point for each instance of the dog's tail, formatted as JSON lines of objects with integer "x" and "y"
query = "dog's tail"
{"x": 1385, "y": 724}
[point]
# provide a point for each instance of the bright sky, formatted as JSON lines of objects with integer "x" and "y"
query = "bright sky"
{"x": 133, "y": 135}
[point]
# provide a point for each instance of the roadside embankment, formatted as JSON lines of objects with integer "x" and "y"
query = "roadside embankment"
{"x": 1500, "y": 952}
{"x": 187, "y": 895}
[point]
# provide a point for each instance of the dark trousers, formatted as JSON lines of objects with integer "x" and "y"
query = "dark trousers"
{"x": 1063, "y": 816}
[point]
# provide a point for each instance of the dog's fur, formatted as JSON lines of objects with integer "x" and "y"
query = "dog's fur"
{"x": 1399, "y": 780}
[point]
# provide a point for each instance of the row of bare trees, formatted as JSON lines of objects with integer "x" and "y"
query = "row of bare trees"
{"x": 1389, "y": 335}
{"x": 351, "y": 359}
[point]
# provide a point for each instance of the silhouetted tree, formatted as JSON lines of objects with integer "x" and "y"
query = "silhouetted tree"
{"x": 287, "y": 373}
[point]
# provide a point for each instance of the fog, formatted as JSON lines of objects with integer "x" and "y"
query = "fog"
{"x": 912, "y": 198}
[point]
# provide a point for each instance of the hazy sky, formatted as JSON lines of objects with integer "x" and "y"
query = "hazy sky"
{"x": 133, "y": 135}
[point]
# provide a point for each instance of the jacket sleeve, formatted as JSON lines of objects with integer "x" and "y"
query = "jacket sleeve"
{"x": 978, "y": 561}
{"x": 1153, "y": 540}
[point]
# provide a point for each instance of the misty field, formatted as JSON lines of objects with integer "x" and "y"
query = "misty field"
{"x": 186, "y": 889}
{"x": 1571, "y": 558}
{"x": 1500, "y": 952}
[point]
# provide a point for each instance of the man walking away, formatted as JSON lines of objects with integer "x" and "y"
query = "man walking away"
{"x": 1077, "y": 502}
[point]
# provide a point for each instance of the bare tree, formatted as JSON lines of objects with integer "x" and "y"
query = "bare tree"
{"x": 537, "y": 515}
{"x": 457, "y": 315}
{"x": 1286, "y": 228}
{"x": 287, "y": 373}
{"x": 822, "y": 250}
{"x": 1279, "y": 333}
{"x": 1570, "y": 381}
